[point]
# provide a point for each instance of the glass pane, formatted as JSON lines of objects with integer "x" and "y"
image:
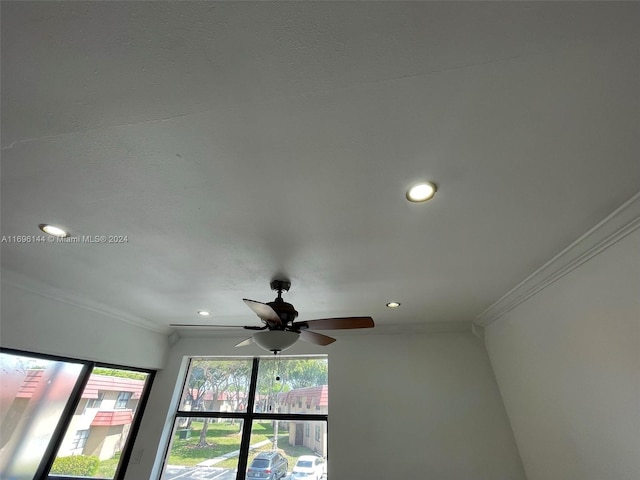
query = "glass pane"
{"x": 101, "y": 424}
{"x": 204, "y": 448}
{"x": 291, "y": 449}
{"x": 292, "y": 385}
{"x": 215, "y": 385}
{"x": 33, "y": 396}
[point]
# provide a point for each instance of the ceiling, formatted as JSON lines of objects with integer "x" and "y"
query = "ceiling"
{"x": 233, "y": 143}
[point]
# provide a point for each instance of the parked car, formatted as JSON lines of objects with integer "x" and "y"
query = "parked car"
{"x": 269, "y": 466}
{"x": 308, "y": 467}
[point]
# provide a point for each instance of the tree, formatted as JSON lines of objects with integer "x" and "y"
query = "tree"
{"x": 216, "y": 377}
{"x": 110, "y": 372}
{"x": 306, "y": 372}
{"x": 239, "y": 378}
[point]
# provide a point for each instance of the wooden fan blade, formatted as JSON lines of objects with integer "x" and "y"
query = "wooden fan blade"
{"x": 206, "y": 325}
{"x": 316, "y": 338}
{"x": 246, "y": 342}
{"x": 336, "y": 323}
{"x": 264, "y": 311}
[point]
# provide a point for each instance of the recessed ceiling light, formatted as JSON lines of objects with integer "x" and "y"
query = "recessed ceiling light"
{"x": 204, "y": 313}
{"x": 53, "y": 230}
{"x": 421, "y": 192}
{"x": 393, "y": 304}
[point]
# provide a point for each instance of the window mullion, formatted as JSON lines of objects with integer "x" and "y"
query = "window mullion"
{"x": 205, "y": 414}
{"x": 291, "y": 416}
{"x": 247, "y": 424}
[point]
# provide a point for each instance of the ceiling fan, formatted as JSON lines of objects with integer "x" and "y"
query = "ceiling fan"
{"x": 280, "y": 330}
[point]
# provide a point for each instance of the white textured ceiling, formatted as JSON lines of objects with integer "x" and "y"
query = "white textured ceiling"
{"x": 236, "y": 142}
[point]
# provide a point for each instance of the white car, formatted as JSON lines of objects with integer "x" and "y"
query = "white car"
{"x": 308, "y": 467}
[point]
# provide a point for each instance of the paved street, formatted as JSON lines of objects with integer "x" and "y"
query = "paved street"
{"x": 204, "y": 473}
{"x": 207, "y": 470}
{"x": 198, "y": 473}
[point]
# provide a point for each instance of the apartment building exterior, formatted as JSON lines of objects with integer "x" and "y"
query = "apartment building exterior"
{"x": 103, "y": 418}
{"x": 308, "y": 400}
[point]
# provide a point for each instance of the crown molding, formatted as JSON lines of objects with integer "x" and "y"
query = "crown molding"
{"x": 620, "y": 223}
{"x": 41, "y": 289}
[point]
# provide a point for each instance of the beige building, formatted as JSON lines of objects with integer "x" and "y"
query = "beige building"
{"x": 101, "y": 422}
{"x": 309, "y": 400}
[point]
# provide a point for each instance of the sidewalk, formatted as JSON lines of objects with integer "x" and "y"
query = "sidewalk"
{"x": 235, "y": 453}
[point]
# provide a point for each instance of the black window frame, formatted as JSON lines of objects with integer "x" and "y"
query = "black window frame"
{"x": 248, "y": 416}
{"x": 66, "y": 418}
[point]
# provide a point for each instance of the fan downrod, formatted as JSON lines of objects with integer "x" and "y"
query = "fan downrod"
{"x": 285, "y": 311}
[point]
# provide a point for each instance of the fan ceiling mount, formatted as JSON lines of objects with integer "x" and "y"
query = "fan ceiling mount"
{"x": 279, "y": 330}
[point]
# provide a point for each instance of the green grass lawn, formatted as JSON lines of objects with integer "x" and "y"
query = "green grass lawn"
{"x": 224, "y": 438}
{"x": 107, "y": 468}
{"x": 221, "y": 437}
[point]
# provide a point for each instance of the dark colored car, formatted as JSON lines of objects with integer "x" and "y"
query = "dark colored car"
{"x": 269, "y": 466}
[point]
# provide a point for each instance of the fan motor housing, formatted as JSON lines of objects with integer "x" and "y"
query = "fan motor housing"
{"x": 285, "y": 311}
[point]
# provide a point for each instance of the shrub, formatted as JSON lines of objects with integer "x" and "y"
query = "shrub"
{"x": 80, "y": 465}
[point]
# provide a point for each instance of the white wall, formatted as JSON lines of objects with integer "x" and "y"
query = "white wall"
{"x": 400, "y": 406}
{"x": 40, "y": 324}
{"x": 567, "y": 361}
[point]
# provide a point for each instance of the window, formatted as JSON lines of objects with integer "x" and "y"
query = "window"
{"x": 123, "y": 399}
{"x": 95, "y": 402}
{"x": 237, "y": 418}
{"x": 318, "y": 433}
{"x": 307, "y": 429}
{"x": 45, "y": 419}
{"x": 80, "y": 439}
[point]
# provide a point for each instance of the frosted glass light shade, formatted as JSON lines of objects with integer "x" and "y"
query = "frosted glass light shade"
{"x": 275, "y": 340}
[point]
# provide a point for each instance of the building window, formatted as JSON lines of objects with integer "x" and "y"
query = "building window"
{"x": 96, "y": 402}
{"x": 123, "y": 400}
{"x": 79, "y": 439}
{"x": 318, "y": 433}
{"x": 44, "y": 389}
{"x": 238, "y": 415}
